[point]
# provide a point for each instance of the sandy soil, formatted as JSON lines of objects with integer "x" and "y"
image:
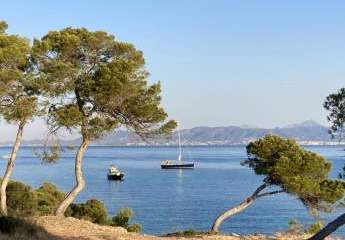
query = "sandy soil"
{"x": 71, "y": 228}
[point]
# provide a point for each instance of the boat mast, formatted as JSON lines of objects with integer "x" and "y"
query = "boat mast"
{"x": 179, "y": 145}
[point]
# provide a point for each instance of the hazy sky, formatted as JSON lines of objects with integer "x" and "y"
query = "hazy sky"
{"x": 263, "y": 63}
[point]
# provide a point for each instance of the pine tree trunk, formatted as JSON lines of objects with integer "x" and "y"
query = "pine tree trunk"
{"x": 228, "y": 213}
{"x": 330, "y": 228}
{"x": 9, "y": 168}
{"x": 243, "y": 205}
{"x": 80, "y": 182}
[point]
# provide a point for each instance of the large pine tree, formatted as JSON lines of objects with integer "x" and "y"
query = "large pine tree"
{"x": 18, "y": 103}
{"x": 96, "y": 84}
{"x": 290, "y": 169}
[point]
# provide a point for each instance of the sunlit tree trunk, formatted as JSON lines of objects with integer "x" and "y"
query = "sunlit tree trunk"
{"x": 9, "y": 168}
{"x": 80, "y": 182}
{"x": 228, "y": 213}
{"x": 242, "y": 206}
{"x": 330, "y": 228}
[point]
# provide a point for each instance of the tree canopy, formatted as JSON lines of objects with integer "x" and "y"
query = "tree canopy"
{"x": 17, "y": 100}
{"x": 295, "y": 170}
{"x": 335, "y": 105}
{"x": 97, "y": 82}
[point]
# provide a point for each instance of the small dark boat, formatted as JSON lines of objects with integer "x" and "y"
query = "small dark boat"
{"x": 115, "y": 174}
{"x": 172, "y": 164}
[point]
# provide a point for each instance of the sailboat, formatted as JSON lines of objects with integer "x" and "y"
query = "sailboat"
{"x": 177, "y": 164}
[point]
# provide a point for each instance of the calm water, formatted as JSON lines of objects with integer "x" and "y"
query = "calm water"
{"x": 171, "y": 200}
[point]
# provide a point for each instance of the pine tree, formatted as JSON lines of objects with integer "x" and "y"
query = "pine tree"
{"x": 95, "y": 85}
{"x": 335, "y": 105}
{"x": 18, "y": 103}
{"x": 289, "y": 169}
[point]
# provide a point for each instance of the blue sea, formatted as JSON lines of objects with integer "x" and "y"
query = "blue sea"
{"x": 172, "y": 200}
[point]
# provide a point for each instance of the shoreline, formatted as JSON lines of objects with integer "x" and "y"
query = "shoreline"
{"x": 330, "y": 144}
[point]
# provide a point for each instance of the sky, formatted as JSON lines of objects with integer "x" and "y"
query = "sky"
{"x": 220, "y": 62}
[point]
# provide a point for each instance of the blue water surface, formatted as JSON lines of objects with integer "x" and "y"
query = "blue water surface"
{"x": 171, "y": 200}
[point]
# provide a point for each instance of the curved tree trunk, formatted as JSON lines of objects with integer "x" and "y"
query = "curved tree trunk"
{"x": 330, "y": 228}
{"x": 243, "y": 205}
{"x": 80, "y": 182}
{"x": 228, "y": 213}
{"x": 9, "y": 168}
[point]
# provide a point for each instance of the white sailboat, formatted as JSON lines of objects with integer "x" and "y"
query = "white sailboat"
{"x": 177, "y": 164}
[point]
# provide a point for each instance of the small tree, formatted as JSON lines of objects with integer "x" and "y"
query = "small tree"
{"x": 293, "y": 170}
{"x": 335, "y": 105}
{"x": 18, "y": 105}
{"x": 95, "y": 85}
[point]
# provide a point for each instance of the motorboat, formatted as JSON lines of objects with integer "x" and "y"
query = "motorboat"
{"x": 115, "y": 174}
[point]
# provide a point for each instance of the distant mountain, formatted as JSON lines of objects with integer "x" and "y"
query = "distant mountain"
{"x": 308, "y": 132}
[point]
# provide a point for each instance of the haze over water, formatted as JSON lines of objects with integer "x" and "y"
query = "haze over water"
{"x": 170, "y": 200}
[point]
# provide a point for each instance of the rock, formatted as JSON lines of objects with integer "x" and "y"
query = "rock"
{"x": 235, "y": 235}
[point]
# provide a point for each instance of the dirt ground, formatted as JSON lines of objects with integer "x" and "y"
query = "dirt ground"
{"x": 71, "y": 228}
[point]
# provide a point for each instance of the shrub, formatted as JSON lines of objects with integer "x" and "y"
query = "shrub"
{"x": 190, "y": 233}
{"x": 186, "y": 233}
{"x": 315, "y": 227}
{"x": 122, "y": 219}
{"x": 135, "y": 227}
{"x": 21, "y": 199}
{"x": 93, "y": 210}
{"x": 48, "y": 198}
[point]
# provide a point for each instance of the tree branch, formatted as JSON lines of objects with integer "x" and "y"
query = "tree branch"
{"x": 270, "y": 193}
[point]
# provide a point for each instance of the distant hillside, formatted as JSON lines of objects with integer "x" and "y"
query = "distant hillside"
{"x": 308, "y": 132}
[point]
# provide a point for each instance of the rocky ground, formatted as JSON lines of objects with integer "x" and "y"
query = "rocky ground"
{"x": 55, "y": 228}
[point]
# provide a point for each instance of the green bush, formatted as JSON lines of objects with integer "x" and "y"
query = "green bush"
{"x": 188, "y": 233}
{"x": 135, "y": 227}
{"x": 122, "y": 219}
{"x": 93, "y": 210}
{"x": 21, "y": 199}
{"x": 48, "y": 198}
{"x": 315, "y": 227}
{"x": 24, "y": 201}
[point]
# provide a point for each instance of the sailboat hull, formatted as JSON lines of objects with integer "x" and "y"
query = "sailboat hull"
{"x": 178, "y": 166}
